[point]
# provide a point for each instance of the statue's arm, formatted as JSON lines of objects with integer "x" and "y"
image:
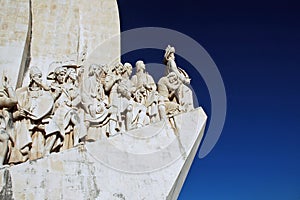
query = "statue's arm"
{"x": 173, "y": 68}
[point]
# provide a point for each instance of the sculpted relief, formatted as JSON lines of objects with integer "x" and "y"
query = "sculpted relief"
{"x": 75, "y": 107}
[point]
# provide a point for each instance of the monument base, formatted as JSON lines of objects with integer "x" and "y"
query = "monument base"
{"x": 146, "y": 163}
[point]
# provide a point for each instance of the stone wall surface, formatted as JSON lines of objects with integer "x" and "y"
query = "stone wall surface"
{"x": 14, "y": 37}
{"x": 73, "y": 30}
{"x": 44, "y": 32}
{"x": 146, "y": 163}
{"x": 68, "y": 29}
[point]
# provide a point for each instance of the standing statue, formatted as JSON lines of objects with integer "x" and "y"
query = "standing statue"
{"x": 133, "y": 109}
{"x": 66, "y": 118}
{"x": 184, "y": 95}
{"x": 112, "y": 80}
{"x": 54, "y": 136}
{"x": 167, "y": 87}
{"x": 8, "y": 100}
{"x": 95, "y": 104}
{"x": 35, "y": 104}
{"x": 4, "y": 139}
{"x": 121, "y": 91}
{"x": 146, "y": 89}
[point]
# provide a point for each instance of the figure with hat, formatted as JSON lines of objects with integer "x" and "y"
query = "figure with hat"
{"x": 35, "y": 104}
{"x": 184, "y": 95}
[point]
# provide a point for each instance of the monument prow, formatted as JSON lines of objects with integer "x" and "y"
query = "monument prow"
{"x": 82, "y": 126}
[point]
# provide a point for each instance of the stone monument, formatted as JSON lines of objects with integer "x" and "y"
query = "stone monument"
{"x": 80, "y": 126}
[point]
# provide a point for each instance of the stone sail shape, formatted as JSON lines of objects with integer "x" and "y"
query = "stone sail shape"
{"x": 71, "y": 30}
{"x": 14, "y": 39}
{"x": 149, "y": 163}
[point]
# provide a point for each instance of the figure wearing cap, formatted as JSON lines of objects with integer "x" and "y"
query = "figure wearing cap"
{"x": 35, "y": 104}
{"x": 183, "y": 94}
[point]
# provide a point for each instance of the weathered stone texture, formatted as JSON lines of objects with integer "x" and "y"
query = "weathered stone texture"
{"x": 14, "y": 26}
{"x": 43, "y": 32}
{"x": 139, "y": 164}
{"x": 73, "y": 30}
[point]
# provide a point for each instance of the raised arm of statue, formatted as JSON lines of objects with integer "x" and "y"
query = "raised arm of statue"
{"x": 8, "y": 97}
{"x": 172, "y": 67}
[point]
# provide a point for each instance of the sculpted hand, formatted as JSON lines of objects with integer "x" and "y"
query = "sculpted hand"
{"x": 22, "y": 113}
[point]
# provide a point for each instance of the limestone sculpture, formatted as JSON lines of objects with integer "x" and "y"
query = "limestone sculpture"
{"x": 68, "y": 111}
{"x": 81, "y": 123}
{"x": 184, "y": 95}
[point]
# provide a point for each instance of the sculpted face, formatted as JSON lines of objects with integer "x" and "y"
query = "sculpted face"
{"x": 72, "y": 74}
{"x": 140, "y": 66}
{"x": 37, "y": 77}
{"x": 119, "y": 69}
{"x": 35, "y": 74}
{"x": 172, "y": 56}
{"x": 128, "y": 69}
{"x": 98, "y": 71}
{"x": 60, "y": 77}
{"x": 172, "y": 77}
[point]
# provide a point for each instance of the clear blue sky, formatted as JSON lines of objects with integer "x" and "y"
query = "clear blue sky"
{"x": 256, "y": 46}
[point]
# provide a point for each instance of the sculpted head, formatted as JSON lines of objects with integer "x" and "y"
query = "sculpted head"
{"x": 71, "y": 74}
{"x": 35, "y": 74}
{"x": 173, "y": 78}
{"x": 140, "y": 66}
{"x": 93, "y": 69}
{"x": 169, "y": 53}
{"x": 119, "y": 69}
{"x": 128, "y": 68}
{"x": 60, "y": 74}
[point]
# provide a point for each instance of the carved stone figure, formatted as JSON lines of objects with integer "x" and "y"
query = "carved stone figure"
{"x": 121, "y": 92}
{"x": 112, "y": 80}
{"x": 77, "y": 108}
{"x": 134, "y": 109}
{"x": 95, "y": 103}
{"x": 146, "y": 89}
{"x": 183, "y": 94}
{"x": 66, "y": 118}
{"x": 4, "y": 138}
{"x": 8, "y": 100}
{"x": 54, "y": 136}
{"x": 167, "y": 87}
{"x": 35, "y": 104}
{"x": 8, "y": 97}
